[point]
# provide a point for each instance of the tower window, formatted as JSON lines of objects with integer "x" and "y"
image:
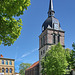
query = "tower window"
{"x": 41, "y": 52}
{"x": 58, "y": 38}
{"x": 54, "y": 39}
{"x": 42, "y": 41}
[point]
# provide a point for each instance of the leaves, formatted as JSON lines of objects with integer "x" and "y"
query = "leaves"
{"x": 13, "y": 7}
{"x": 73, "y": 56}
{"x": 23, "y": 67}
{"x": 10, "y": 28}
{"x": 55, "y": 61}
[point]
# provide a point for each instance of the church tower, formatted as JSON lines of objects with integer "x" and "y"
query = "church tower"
{"x": 51, "y": 34}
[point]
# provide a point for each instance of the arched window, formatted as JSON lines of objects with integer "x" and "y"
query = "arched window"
{"x": 58, "y": 38}
{"x": 10, "y": 70}
{"x": 54, "y": 39}
{"x": 2, "y": 61}
{"x": 41, "y": 52}
{"x": 6, "y": 70}
{"x": 42, "y": 41}
{"x": 2, "y": 69}
{"x": 10, "y": 63}
{"x": 6, "y": 62}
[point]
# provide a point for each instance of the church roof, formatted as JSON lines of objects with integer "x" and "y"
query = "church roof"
{"x": 51, "y": 20}
{"x": 33, "y": 65}
{"x": 51, "y": 10}
{"x": 51, "y": 5}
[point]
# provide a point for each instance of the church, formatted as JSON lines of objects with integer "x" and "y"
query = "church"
{"x": 51, "y": 35}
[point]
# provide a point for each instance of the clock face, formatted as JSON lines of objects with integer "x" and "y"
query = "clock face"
{"x": 56, "y": 26}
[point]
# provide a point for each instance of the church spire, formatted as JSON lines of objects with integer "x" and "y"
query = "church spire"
{"x": 51, "y": 5}
{"x": 51, "y": 11}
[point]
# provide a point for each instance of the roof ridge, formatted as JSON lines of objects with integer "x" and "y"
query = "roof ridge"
{"x": 33, "y": 65}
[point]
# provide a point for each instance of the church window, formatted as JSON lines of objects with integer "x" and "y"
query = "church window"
{"x": 54, "y": 39}
{"x": 58, "y": 38}
{"x": 42, "y": 41}
{"x": 41, "y": 52}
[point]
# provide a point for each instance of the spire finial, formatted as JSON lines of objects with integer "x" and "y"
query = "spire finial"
{"x": 51, "y": 5}
{"x": 51, "y": 11}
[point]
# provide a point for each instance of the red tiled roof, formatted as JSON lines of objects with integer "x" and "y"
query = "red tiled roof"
{"x": 33, "y": 65}
{"x": 1, "y": 55}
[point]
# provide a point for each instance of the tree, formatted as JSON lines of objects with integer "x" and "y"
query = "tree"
{"x": 23, "y": 67}
{"x": 55, "y": 61}
{"x": 73, "y": 56}
{"x": 68, "y": 58}
{"x": 10, "y": 28}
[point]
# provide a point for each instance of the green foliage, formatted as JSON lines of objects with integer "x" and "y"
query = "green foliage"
{"x": 10, "y": 28}
{"x": 68, "y": 57}
{"x": 73, "y": 56}
{"x": 23, "y": 67}
{"x": 55, "y": 61}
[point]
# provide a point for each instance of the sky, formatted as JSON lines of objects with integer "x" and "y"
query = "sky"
{"x": 25, "y": 48}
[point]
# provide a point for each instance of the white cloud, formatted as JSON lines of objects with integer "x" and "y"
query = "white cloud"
{"x": 16, "y": 52}
{"x": 26, "y": 54}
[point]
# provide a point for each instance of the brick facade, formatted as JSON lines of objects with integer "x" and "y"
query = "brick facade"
{"x": 33, "y": 69}
{"x": 48, "y": 34}
{"x": 48, "y": 41}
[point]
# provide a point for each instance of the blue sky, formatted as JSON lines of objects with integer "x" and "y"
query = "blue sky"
{"x": 25, "y": 49}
